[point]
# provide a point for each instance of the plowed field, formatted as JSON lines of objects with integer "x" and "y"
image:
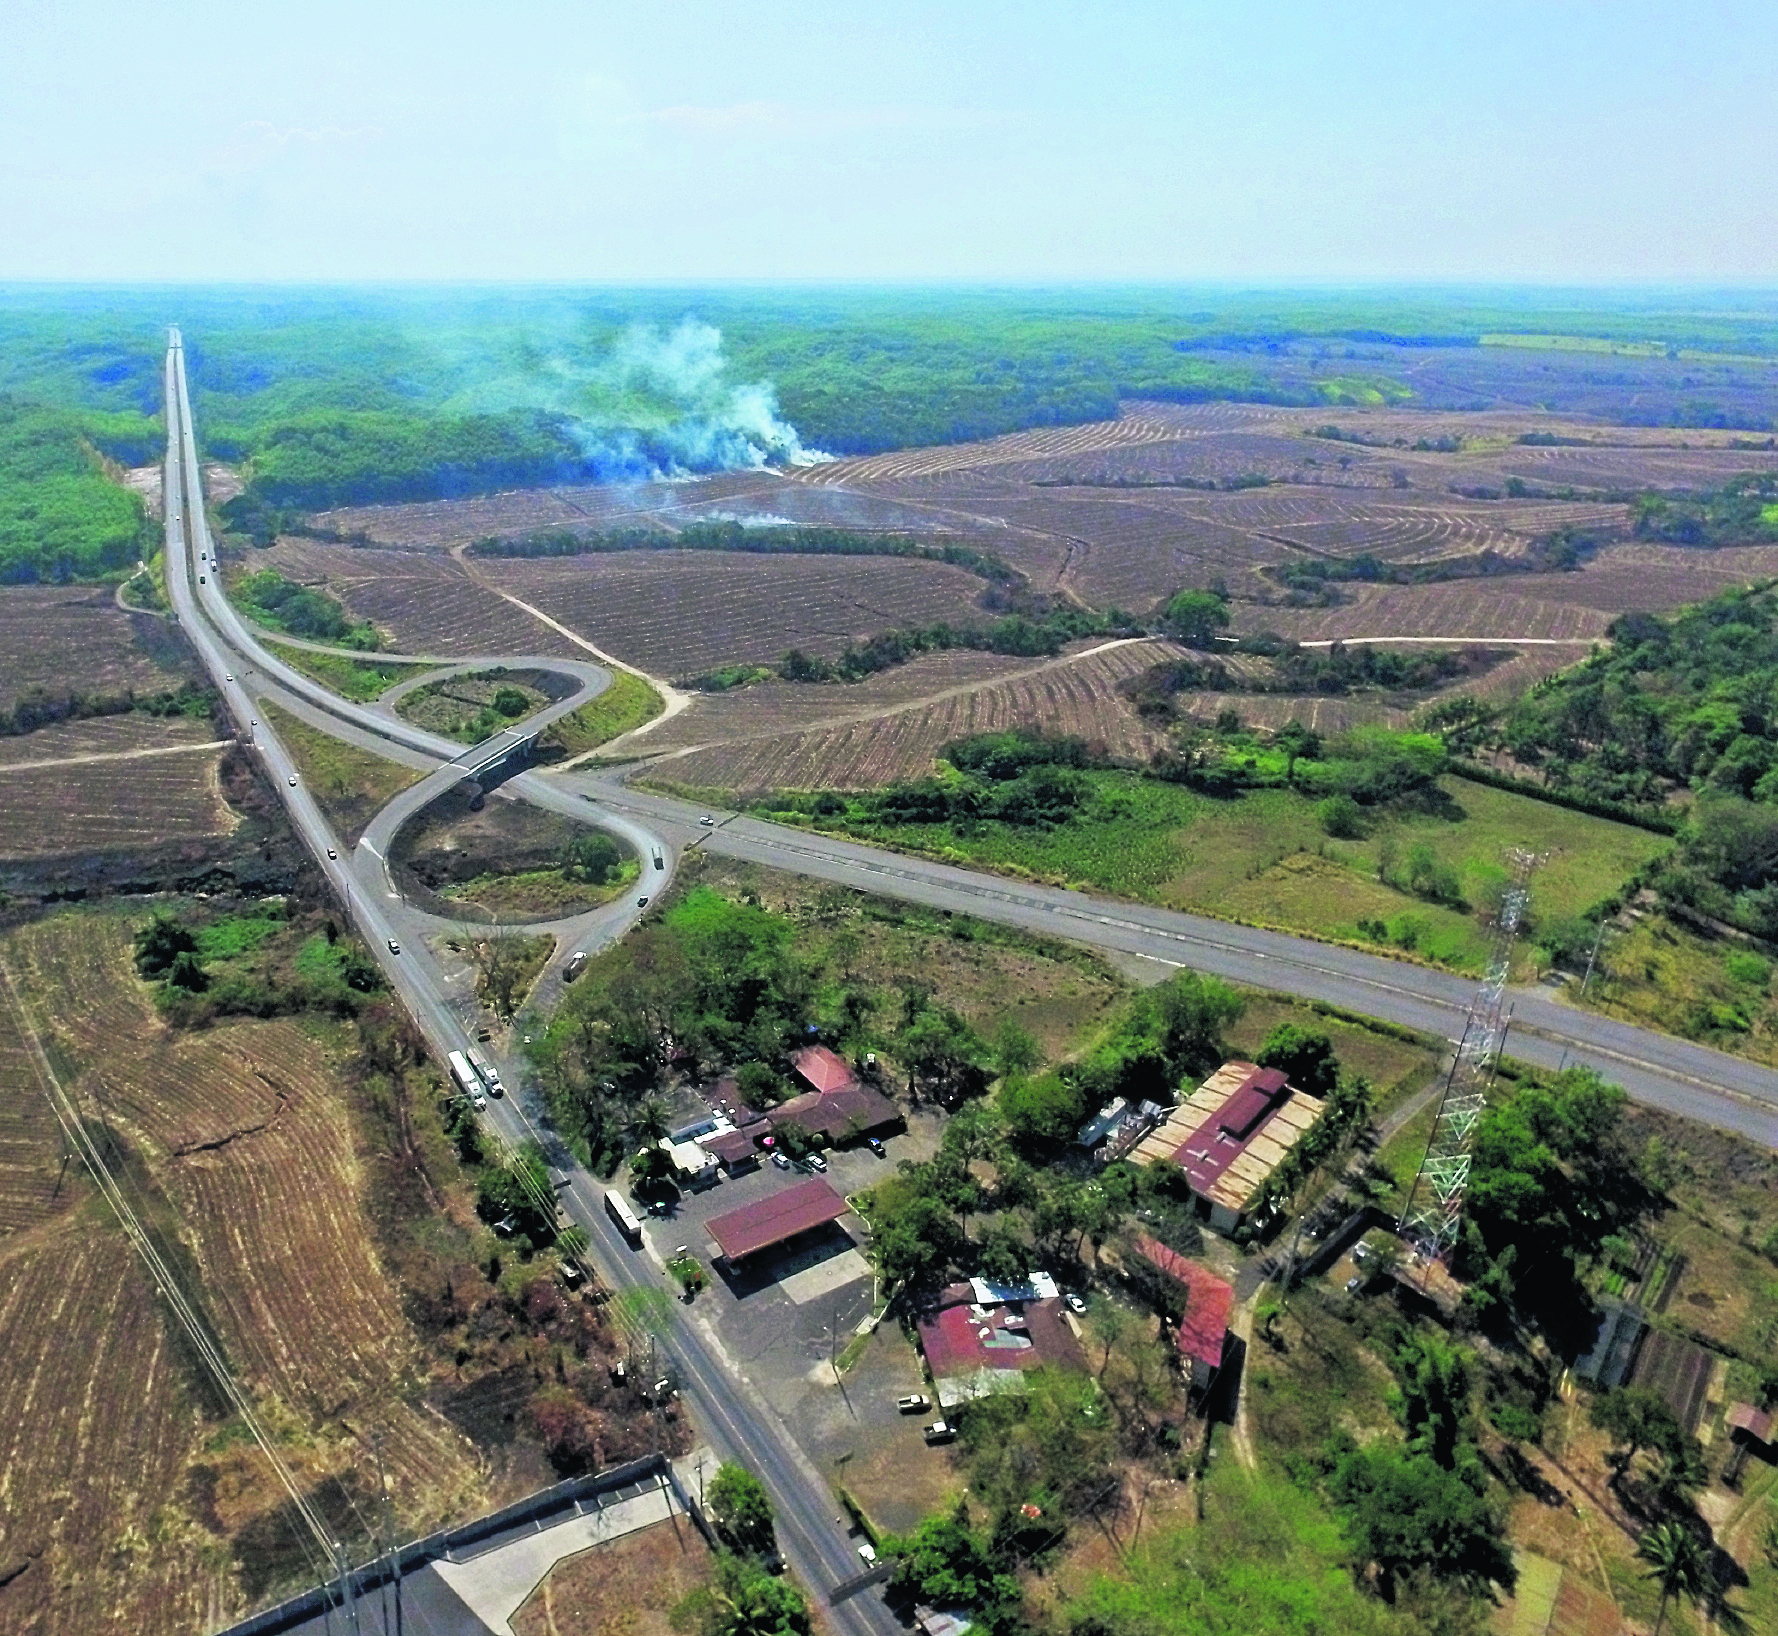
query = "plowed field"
{"x": 58, "y": 637}
{"x": 245, "y": 1155}
{"x": 51, "y": 811}
{"x": 1077, "y": 696}
{"x": 674, "y": 613}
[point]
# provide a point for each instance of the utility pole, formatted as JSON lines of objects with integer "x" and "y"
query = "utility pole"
{"x": 394, "y": 1543}
{"x": 1600, "y": 938}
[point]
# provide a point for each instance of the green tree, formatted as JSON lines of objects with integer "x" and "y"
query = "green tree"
{"x": 1676, "y": 1561}
{"x": 593, "y": 857}
{"x": 1298, "y": 743}
{"x": 1635, "y": 1419}
{"x": 511, "y": 702}
{"x": 748, "y": 1601}
{"x": 1403, "y": 1512}
{"x": 946, "y": 1563}
{"x": 1306, "y": 1055}
{"x": 741, "y": 1510}
{"x": 187, "y": 972}
{"x": 944, "y": 1054}
{"x": 1016, "y": 1050}
{"x": 1047, "y": 1110}
{"x": 160, "y": 942}
{"x": 1194, "y": 617}
{"x": 1432, "y": 1394}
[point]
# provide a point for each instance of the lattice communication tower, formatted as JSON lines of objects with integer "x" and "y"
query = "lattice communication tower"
{"x": 1435, "y": 1201}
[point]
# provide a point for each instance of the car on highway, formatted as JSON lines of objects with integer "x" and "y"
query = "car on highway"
{"x": 394, "y": 947}
{"x": 868, "y": 1553}
{"x": 707, "y": 821}
{"x": 780, "y": 1161}
{"x": 576, "y": 965}
{"x": 913, "y": 1403}
{"x": 228, "y": 676}
{"x": 332, "y": 854}
{"x": 293, "y": 780}
{"x": 642, "y": 902}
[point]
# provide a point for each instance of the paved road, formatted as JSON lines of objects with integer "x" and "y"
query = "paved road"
{"x": 1666, "y": 1073}
{"x": 736, "y": 1423}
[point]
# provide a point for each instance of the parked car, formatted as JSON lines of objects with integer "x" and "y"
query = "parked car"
{"x": 1355, "y": 1284}
{"x": 816, "y": 1162}
{"x": 780, "y": 1161}
{"x": 869, "y": 1553}
{"x": 1075, "y": 1302}
{"x": 914, "y": 1403}
{"x": 940, "y": 1431}
{"x": 576, "y": 965}
{"x": 877, "y": 1148}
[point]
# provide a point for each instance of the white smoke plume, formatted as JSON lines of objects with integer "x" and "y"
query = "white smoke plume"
{"x": 661, "y": 404}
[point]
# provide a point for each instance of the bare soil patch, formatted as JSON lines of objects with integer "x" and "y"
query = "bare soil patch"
{"x": 59, "y": 639}
{"x": 625, "y": 1588}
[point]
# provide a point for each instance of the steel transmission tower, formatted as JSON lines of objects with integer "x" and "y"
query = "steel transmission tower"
{"x": 1435, "y": 1201}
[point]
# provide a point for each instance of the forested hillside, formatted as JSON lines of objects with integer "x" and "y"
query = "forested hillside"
{"x": 61, "y": 517}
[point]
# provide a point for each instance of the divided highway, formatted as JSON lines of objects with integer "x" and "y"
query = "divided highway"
{"x": 731, "y": 1415}
{"x": 1655, "y": 1069}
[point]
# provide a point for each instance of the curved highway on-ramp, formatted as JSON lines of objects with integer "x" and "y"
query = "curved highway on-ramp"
{"x": 1668, "y": 1073}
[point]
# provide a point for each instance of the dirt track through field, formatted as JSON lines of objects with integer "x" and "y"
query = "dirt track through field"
{"x": 115, "y": 755}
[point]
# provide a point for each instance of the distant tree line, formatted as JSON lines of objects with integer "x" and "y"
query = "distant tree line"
{"x": 41, "y": 708}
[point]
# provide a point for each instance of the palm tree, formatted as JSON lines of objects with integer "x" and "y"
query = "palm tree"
{"x": 1676, "y": 1559}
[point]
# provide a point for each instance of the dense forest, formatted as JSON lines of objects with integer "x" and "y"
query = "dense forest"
{"x": 1679, "y": 716}
{"x": 470, "y": 390}
{"x": 61, "y": 517}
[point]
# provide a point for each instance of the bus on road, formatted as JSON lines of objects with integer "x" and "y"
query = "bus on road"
{"x": 625, "y": 1217}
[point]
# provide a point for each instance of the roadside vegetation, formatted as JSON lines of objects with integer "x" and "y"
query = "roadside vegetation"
{"x": 279, "y": 604}
{"x": 1364, "y": 837}
{"x": 624, "y": 706}
{"x": 350, "y": 785}
{"x": 360, "y": 680}
{"x": 473, "y": 707}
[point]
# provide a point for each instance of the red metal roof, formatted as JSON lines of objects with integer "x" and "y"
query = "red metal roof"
{"x": 1223, "y": 1137}
{"x": 823, "y": 1069}
{"x": 1208, "y": 1302}
{"x": 851, "y": 1111}
{"x": 1757, "y": 1423}
{"x": 770, "y": 1221}
{"x": 952, "y": 1340}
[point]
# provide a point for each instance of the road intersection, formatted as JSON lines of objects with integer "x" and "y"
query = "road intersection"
{"x": 1667, "y": 1073}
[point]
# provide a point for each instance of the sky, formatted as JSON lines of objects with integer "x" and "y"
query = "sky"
{"x": 1565, "y": 141}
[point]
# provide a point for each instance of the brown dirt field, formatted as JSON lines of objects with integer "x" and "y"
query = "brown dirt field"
{"x": 1078, "y": 696}
{"x": 57, "y": 637}
{"x": 52, "y": 811}
{"x": 782, "y": 707}
{"x": 423, "y": 602}
{"x": 245, "y": 1152}
{"x": 105, "y": 736}
{"x": 624, "y": 1588}
{"x": 677, "y": 613}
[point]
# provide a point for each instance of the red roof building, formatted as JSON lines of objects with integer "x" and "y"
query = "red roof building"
{"x": 823, "y": 1070}
{"x": 974, "y": 1350}
{"x": 1203, "y": 1330}
{"x": 843, "y": 1114}
{"x": 769, "y": 1221}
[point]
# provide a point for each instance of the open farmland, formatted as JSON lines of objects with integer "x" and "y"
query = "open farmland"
{"x": 243, "y": 1156}
{"x": 1077, "y": 696}
{"x": 132, "y": 800}
{"x": 54, "y": 638}
{"x": 424, "y": 602}
{"x": 678, "y": 613}
{"x": 137, "y": 735}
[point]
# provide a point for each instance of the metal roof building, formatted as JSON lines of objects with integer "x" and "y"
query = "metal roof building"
{"x": 772, "y": 1220}
{"x": 1229, "y": 1136}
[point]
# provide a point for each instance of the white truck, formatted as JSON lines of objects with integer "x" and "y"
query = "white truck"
{"x": 490, "y": 1075}
{"x": 468, "y": 1081}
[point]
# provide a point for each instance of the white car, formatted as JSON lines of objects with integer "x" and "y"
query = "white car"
{"x": 332, "y": 854}
{"x": 707, "y": 821}
{"x": 815, "y": 1162}
{"x": 780, "y": 1161}
{"x": 293, "y": 780}
{"x": 1075, "y": 1303}
{"x": 394, "y": 947}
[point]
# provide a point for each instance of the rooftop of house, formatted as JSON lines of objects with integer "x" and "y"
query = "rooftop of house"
{"x": 1232, "y": 1132}
{"x": 822, "y": 1069}
{"x": 968, "y": 1345}
{"x": 1208, "y": 1301}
